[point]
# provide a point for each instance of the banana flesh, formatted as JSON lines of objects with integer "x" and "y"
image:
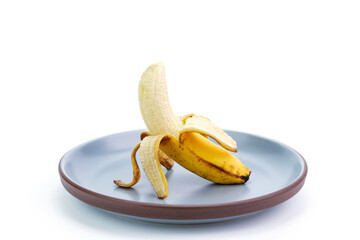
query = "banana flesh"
{"x": 154, "y": 103}
{"x": 182, "y": 139}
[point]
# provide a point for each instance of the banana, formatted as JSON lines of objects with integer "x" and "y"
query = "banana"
{"x": 184, "y": 139}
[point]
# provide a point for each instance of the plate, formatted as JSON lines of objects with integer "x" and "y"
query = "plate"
{"x": 87, "y": 171}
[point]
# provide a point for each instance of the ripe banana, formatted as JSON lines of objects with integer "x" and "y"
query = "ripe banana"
{"x": 183, "y": 139}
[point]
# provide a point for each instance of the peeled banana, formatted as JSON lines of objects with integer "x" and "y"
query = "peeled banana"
{"x": 182, "y": 139}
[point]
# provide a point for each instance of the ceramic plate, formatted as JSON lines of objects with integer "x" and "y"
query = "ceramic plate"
{"x": 277, "y": 173}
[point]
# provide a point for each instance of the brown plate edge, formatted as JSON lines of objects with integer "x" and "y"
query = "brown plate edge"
{"x": 183, "y": 212}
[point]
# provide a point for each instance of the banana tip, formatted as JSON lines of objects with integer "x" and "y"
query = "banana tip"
{"x": 246, "y": 177}
{"x": 117, "y": 182}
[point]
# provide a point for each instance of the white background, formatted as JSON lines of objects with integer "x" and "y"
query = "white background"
{"x": 287, "y": 70}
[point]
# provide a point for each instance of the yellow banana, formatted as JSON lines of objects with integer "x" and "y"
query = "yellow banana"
{"x": 183, "y": 139}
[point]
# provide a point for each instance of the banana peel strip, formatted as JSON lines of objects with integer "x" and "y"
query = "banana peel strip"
{"x": 204, "y": 126}
{"x": 167, "y": 162}
{"x": 136, "y": 170}
{"x": 149, "y": 157}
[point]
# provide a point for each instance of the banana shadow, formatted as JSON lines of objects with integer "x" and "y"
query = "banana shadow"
{"x": 131, "y": 193}
{"x": 169, "y": 173}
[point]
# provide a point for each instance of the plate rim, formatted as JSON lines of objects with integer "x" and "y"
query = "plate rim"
{"x": 183, "y": 211}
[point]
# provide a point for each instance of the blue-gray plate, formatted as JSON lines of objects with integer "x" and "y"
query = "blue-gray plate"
{"x": 87, "y": 171}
